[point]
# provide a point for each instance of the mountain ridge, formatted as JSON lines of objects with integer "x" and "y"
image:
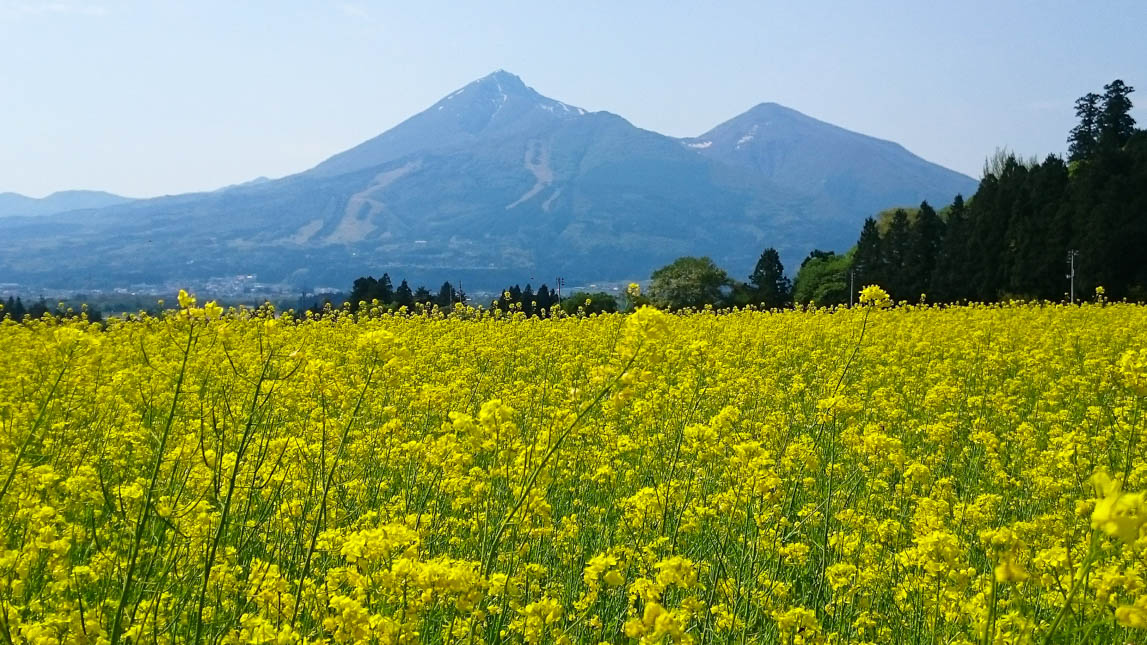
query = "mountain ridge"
{"x": 498, "y": 182}
{"x": 17, "y": 205}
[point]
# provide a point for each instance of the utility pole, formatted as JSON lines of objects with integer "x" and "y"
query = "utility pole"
{"x": 559, "y": 282}
{"x": 1071, "y": 255}
{"x": 851, "y": 285}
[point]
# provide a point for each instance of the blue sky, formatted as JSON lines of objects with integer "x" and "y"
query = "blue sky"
{"x": 167, "y": 96}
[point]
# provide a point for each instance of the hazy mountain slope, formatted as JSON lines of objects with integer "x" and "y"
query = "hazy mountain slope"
{"x": 14, "y": 204}
{"x": 493, "y": 184}
{"x": 843, "y": 170}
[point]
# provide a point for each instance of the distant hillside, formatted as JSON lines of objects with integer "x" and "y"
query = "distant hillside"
{"x": 838, "y": 169}
{"x": 496, "y": 183}
{"x": 14, "y": 204}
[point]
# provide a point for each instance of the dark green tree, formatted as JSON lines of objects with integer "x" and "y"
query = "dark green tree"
{"x": 384, "y": 290}
{"x": 422, "y": 296}
{"x": 447, "y": 296}
{"x": 924, "y": 240}
{"x": 545, "y": 300}
{"x": 38, "y": 309}
{"x": 770, "y": 287}
{"x": 363, "y": 290}
{"x": 590, "y": 303}
{"x": 1116, "y": 126}
{"x": 895, "y": 248}
{"x": 1084, "y": 137}
{"x": 403, "y": 296}
{"x": 949, "y": 278}
{"x": 868, "y": 260}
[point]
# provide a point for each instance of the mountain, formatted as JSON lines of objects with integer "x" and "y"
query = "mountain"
{"x": 493, "y": 184}
{"x": 842, "y": 170}
{"x": 14, "y": 204}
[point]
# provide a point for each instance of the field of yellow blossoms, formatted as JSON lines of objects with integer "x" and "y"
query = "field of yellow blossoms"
{"x": 889, "y": 475}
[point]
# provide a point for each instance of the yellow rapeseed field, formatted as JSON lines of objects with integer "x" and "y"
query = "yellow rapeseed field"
{"x": 890, "y": 475}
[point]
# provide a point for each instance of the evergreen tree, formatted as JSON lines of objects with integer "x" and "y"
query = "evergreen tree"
{"x": 363, "y": 291}
{"x": 544, "y": 299}
{"x": 1085, "y": 137}
{"x": 770, "y": 287}
{"x": 1038, "y": 231}
{"x": 38, "y": 310}
{"x": 949, "y": 278}
{"x": 529, "y": 300}
{"x": 423, "y": 296}
{"x": 447, "y": 296}
{"x": 10, "y": 310}
{"x": 384, "y": 290}
{"x": 895, "y": 251}
{"x": 403, "y": 296}
{"x": 925, "y": 238}
{"x": 1116, "y": 126}
{"x": 868, "y": 260}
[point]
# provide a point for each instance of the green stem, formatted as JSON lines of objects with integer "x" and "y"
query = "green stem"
{"x": 990, "y": 630}
{"x": 487, "y": 566}
{"x": 1075, "y": 584}
{"x": 145, "y": 510}
{"x": 32, "y": 433}
{"x": 330, "y": 478}
{"x": 243, "y": 443}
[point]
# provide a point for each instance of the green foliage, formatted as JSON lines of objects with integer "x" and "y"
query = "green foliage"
{"x": 823, "y": 278}
{"x": 597, "y": 302}
{"x": 690, "y": 282}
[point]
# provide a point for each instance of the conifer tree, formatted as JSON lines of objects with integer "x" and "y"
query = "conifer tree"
{"x": 925, "y": 238}
{"x": 770, "y": 287}
{"x": 1084, "y": 137}
{"x": 403, "y": 296}
{"x": 1116, "y": 126}
{"x": 868, "y": 261}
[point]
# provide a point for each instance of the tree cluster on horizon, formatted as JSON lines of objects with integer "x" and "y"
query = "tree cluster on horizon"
{"x": 1022, "y": 233}
{"x": 367, "y": 289}
{"x": 15, "y": 309}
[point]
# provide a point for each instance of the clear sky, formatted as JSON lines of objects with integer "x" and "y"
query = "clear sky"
{"x": 164, "y": 96}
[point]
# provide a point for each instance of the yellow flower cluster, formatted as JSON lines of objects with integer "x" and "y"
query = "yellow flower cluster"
{"x": 871, "y": 475}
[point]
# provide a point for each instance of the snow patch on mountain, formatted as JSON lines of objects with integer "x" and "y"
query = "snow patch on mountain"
{"x": 305, "y": 232}
{"x": 357, "y": 221}
{"x": 749, "y": 136}
{"x": 537, "y": 162}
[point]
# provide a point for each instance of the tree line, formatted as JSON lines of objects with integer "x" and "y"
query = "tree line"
{"x": 1032, "y": 230}
{"x": 368, "y": 290}
{"x": 15, "y": 309}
